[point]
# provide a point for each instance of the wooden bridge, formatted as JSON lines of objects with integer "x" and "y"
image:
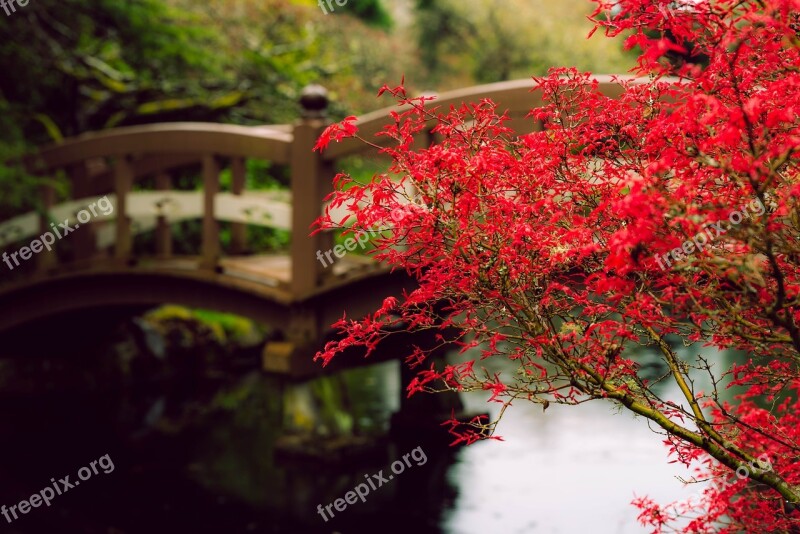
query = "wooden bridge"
{"x": 98, "y": 265}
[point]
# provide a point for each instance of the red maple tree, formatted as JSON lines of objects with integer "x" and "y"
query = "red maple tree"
{"x": 565, "y": 249}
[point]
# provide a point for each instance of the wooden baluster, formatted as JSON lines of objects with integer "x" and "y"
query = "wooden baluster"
{"x": 238, "y": 230}
{"x": 163, "y": 231}
{"x": 47, "y": 259}
{"x": 84, "y": 242}
{"x": 210, "y": 248}
{"x": 123, "y": 181}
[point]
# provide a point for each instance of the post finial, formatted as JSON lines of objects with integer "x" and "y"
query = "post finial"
{"x": 314, "y": 101}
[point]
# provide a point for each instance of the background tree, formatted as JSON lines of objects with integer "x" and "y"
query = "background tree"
{"x": 496, "y": 40}
{"x": 565, "y": 249}
{"x": 86, "y": 65}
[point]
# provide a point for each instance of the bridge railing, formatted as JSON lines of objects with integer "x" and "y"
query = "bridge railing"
{"x": 114, "y": 164}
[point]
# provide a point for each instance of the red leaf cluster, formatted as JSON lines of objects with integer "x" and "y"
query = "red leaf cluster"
{"x": 548, "y": 249}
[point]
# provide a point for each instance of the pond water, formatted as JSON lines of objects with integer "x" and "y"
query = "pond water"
{"x": 568, "y": 469}
{"x": 190, "y": 459}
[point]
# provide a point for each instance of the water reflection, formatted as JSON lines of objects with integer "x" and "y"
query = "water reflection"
{"x": 200, "y": 456}
{"x": 569, "y": 469}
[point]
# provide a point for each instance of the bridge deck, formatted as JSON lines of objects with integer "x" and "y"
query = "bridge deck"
{"x": 276, "y": 269}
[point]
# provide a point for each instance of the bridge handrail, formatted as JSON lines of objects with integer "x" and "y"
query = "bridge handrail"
{"x": 109, "y": 162}
{"x": 517, "y": 97}
{"x": 269, "y": 143}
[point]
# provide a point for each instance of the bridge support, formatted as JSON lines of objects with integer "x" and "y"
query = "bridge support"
{"x": 295, "y": 353}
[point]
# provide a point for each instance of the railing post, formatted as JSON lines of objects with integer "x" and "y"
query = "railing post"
{"x": 123, "y": 181}
{"x": 84, "y": 242}
{"x": 163, "y": 231}
{"x": 311, "y": 181}
{"x": 47, "y": 258}
{"x": 210, "y": 247}
{"x": 238, "y": 230}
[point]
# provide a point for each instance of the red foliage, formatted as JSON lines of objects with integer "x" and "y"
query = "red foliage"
{"x": 336, "y": 132}
{"x": 548, "y": 249}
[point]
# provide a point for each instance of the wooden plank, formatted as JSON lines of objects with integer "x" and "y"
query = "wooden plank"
{"x": 261, "y": 209}
{"x": 275, "y": 267}
{"x": 107, "y": 235}
{"x": 172, "y": 205}
{"x": 68, "y": 210}
{"x": 19, "y": 228}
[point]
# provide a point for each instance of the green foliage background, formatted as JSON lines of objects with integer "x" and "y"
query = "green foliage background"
{"x": 73, "y": 66}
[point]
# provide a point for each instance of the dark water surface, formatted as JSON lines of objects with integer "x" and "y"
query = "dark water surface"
{"x": 191, "y": 456}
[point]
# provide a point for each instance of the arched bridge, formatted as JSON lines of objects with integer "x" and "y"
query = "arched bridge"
{"x": 127, "y": 181}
